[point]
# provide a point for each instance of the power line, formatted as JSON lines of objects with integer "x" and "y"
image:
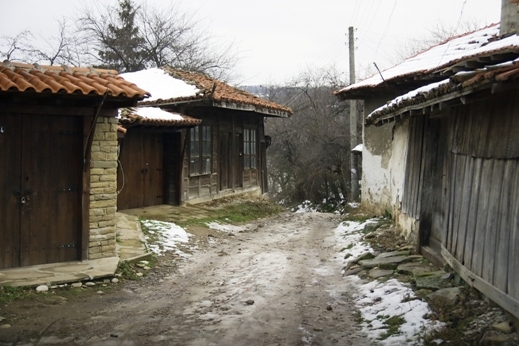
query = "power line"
{"x": 387, "y": 25}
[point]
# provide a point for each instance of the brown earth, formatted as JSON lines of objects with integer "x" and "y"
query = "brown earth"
{"x": 276, "y": 282}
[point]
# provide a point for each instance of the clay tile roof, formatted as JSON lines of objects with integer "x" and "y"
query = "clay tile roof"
{"x": 154, "y": 116}
{"x": 207, "y": 88}
{"x": 66, "y": 80}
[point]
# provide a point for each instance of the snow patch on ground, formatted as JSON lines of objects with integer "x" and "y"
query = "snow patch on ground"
{"x": 165, "y": 236}
{"x": 379, "y": 301}
{"x": 305, "y": 207}
{"x": 225, "y": 227}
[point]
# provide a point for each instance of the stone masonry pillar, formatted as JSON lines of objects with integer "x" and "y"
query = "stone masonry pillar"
{"x": 103, "y": 189}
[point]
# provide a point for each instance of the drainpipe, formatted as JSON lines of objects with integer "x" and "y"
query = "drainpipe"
{"x": 509, "y": 17}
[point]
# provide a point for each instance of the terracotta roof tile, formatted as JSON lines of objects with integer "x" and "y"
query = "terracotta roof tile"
{"x": 66, "y": 80}
{"x": 219, "y": 92}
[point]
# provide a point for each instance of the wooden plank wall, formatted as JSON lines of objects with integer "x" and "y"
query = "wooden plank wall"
{"x": 223, "y": 124}
{"x": 483, "y": 210}
{"x": 413, "y": 174}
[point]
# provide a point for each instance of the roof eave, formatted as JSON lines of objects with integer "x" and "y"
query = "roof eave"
{"x": 438, "y": 105}
{"x": 252, "y": 108}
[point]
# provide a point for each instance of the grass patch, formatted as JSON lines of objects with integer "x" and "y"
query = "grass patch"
{"x": 127, "y": 271}
{"x": 9, "y": 294}
{"x": 235, "y": 213}
{"x": 357, "y": 317}
{"x": 393, "y": 326}
{"x": 457, "y": 321}
{"x": 357, "y": 217}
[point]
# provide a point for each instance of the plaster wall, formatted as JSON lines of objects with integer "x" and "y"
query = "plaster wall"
{"x": 384, "y": 160}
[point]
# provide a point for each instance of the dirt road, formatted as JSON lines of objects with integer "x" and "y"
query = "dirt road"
{"x": 276, "y": 283}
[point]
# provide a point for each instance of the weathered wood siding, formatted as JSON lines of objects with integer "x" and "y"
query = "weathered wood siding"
{"x": 425, "y": 185}
{"x": 462, "y": 183}
{"x": 483, "y": 219}
{"x": 173, "y": 149}
{"x": 227, "y": 175}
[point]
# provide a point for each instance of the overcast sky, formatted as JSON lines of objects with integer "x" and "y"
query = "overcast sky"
{"x": 277, "y": 39}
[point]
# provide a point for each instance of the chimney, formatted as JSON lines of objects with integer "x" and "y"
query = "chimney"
{"x": 509, "y": 17}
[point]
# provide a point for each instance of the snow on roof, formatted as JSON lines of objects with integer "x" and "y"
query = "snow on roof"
{"x": 410, "y": 95}
{"x": 154, "y": 116}
{"x": 462, "y": 83}
{"x": 456, "y": 49}
{"x": 160, "y": 84}
{"x": 157, "y": 114}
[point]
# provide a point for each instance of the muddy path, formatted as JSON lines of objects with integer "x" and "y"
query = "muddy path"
{"x": 277, "y": 283}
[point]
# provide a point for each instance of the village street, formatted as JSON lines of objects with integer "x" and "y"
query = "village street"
{"x": 274, "y": 282}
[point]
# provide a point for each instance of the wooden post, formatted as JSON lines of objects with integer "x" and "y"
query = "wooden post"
{"x": 355, "y": 193}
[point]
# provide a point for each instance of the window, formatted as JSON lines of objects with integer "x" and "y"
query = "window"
{"x": 200, "y": 150}
{"x": 249, "y": 149}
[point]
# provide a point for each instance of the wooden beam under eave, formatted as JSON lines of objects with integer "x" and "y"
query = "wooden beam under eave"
{"x": 472, "y": 64}
{"x": 503, "y": 57}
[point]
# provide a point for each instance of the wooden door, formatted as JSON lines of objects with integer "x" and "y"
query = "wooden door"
{"x": 140, "y": 176}
{"x": 225, "y": 160}
{"x": 41, "y": 189}
{"x": 10, "y": 168}
{"x": 238, "y": 160}
{"x": 173, "y": 164}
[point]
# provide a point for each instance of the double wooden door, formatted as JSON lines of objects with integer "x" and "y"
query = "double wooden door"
{"x": 41, "y": 184}
{"x": 140, "y": 175}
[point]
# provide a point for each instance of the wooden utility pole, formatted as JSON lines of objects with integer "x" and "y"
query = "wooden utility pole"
{"x": 355, "y": 191}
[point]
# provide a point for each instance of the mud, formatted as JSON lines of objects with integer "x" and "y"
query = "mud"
{"x": 277, "y": 282}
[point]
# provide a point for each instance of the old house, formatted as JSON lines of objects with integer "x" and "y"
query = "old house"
{"x": 58, "y": 143}
{"x": 150, "y": 153}
{"x": 226, "y": 153}
{"x": 440, "y": 153}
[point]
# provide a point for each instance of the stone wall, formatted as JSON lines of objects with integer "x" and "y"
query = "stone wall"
{"x": 103, "y": 189}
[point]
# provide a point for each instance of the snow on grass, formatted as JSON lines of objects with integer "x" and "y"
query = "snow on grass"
{"x": 348, "y": 237}
{"x": 165, "y": 236}
{"x": 305, "y": 207}
{"x": 382, "y": 303}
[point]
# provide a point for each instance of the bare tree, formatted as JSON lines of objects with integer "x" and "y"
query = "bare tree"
{"x": 16, "y": 47}
{"x": 134, "y": 36}
{"x": 60, "y": 49}
{"x": 309, "y": 156}
{"x": 127, "y": 37}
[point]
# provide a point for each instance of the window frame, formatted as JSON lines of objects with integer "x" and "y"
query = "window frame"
{"x": 250, "y": 148}
{"x": 200, "y": 150}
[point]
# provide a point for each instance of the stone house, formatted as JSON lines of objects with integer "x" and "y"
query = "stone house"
{"x": 58, "y": 173}
{"x": 225, "y": 154}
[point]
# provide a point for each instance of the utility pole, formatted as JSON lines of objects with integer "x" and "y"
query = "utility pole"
{"x": 355, "y": 191}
